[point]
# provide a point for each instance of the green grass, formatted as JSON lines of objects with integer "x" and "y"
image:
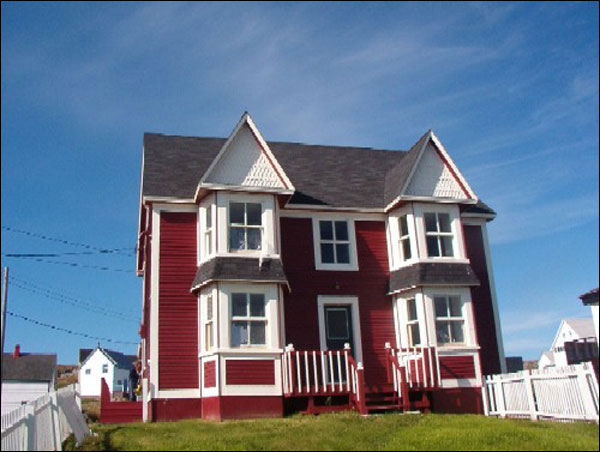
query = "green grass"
{"x": 348, "y": 431}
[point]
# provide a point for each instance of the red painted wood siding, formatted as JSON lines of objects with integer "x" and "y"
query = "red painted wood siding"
{"x": 369, "y": 284}
{"x": 178, "y": 308}
{"x": 453, "y": 367}
{"x": 210, "y": 374}
{"x": 250, "y": 372}
{"x": 482, "y": 302}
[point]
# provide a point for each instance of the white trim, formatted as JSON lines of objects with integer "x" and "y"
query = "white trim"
{"x": 352, "y": 251}
{"x": 168, "y": 199}
{"x": 341, "y": 300}
{"x": 458, "y": 242}
{"x": 450, "y": 162}
{"x": 336, "y": 214}
{"x": 243, "y": 188}
{"x": 319, "y": 208}
{"x": 275, "y": 389}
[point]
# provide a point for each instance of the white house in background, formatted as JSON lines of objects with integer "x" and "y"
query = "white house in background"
{"x": 570, "y": 330}
{"x": 591, "y": 299}
{"x": 96, "y": 364}
{"x": 26, "y": 377}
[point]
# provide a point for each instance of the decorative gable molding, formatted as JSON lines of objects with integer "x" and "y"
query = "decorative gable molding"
{"x": 245, "y": 161}
{"x": 432, "y": 178}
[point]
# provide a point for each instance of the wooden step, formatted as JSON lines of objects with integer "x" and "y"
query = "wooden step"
{"x": 372, "y": 408}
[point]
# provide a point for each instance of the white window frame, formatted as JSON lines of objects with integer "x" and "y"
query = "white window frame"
{"x": 458, "y": 244}
{"x": 208, "y": 343}
{"x": 340, "y": 300}
{"x": 401, "y": 320}
{"x": 248, "y": 319}
{"x": 450, "y": 319}
{"x": 404, "y": 238}
{"x": 208, "y": 230}
{"x": 395, "y": 252}
{"x": 104, "y": 368}
{"x": 438, "y": 234}
{"x": 319, "y": 265}
{"x": 245, "y": 226}
{"x": 410, "y": 322}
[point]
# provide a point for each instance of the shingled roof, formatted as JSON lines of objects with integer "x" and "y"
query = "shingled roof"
{"x": 119, "y": 359}
{"x": 321, "y": 175}
{"x": 28, "y": 367}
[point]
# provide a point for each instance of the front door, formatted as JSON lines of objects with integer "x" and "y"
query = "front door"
{"x": 338, "y": 327}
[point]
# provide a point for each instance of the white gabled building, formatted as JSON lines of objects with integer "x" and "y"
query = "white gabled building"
{"x": 570, "y": 331}
{"x": 96, "y": 364}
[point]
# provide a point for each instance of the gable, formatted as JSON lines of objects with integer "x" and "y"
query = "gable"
{"x": 245, "y": 164}
{"x": 434, "y": 178}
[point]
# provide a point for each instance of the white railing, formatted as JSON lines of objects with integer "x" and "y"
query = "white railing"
{"x": 420, "y": 366}
{"x": 317, "y": 372}
{"x": 567, "y": 393}
{"x": 44, "y": 423}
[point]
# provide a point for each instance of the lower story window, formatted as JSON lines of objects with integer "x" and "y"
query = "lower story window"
{"x": 449, "y": 320}
{"x": 248, "y": 320}
{"x": 412, "y": 323}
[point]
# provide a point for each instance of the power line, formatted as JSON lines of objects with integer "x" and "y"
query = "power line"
{"x": 54, "y": 239}
{"x": 62, "y": 298}
{"x": 76, "y": 264}
{"x": 82, "y": 253}
{"x": 65, "y": 330}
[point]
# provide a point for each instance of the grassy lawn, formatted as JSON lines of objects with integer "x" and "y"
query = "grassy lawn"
{"x": 348, "y": 431}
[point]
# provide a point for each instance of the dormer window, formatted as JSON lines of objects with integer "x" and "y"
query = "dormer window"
{"x": 439, "y": 236}
{"x": 404, "y": 242}
{"x": 245, "y": 226}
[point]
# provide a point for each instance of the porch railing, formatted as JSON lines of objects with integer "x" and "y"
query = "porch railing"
{"x": 309, "y": 373}
{"x": 417, "y": 367}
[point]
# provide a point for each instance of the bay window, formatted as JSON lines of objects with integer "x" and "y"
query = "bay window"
{"x": 412, "y": 323}
{"x": 438, "y": 235}
{"x": 245, "y": 226}
{"x": 449, "y": 320}
{"x": 404, "y": 241}
{"x": 248, "y": 320}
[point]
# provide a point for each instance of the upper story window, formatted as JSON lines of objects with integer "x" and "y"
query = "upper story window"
{"x": 248, "y": 320}
{"x": 404, "y": 241}
{"x": 208, "y": 230}
{"x": 245, "y": 226}
{"x": 412, "y": 323}
{"x": 438, "y": 234}
{"x": 88, "y": 371}
{"x": 449, "y": 320}
{"x": 334, "y": 242}
{"x": 104, "y": 368}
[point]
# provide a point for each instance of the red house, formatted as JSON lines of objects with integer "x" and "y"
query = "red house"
{"x": 282, "y": 277}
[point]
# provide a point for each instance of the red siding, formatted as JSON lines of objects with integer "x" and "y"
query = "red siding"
{"x": 250, "y": 372}
{"x": 210, "y": 374}
{"x": 117, "y": 412}
{"x": 369, "y": 284}
{"x": 178, "y": 308}
{"x": 241, "y": 407}
{"x": 453, "y": 367}
{"x": 175, "y": 409}
{"x": 482, "y": 302}
{"x": 458, "y": 401}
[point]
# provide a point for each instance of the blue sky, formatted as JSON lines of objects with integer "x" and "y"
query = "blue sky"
{"x": 511, "y": 90}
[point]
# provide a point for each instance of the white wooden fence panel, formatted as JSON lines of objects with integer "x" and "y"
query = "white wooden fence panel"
{"x": 569, "y": 393}
{"x": 43, "y": 424}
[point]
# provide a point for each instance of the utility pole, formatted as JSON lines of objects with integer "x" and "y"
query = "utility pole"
{"x": 4, "y": 296}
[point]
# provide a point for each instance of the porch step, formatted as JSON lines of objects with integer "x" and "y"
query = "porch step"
{"x": 373, "y": 408}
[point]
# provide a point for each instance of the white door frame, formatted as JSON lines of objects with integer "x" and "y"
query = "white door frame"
{"x": 341, "y": 300}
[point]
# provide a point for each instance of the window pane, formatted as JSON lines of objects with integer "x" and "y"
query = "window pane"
{"x": 457, "y": 332}
{"x": 209, "y": 307}
{"x": 406, "y": 249}
{"x": 257, "y": 333}
{"x": 338, "y": 327}
{"x": 455, "y": 307}
{"x": 432, "y": 247}
{"x": 257, "y": 305}
{"x": 239, "y": 334}
{"x": 208, "y": 220}
{"x": 327, "y": 253}
{"x": 326, "y": 228}
{"x": 444, "y": 220}
{"x": 411, "y": 309}
{"x": 447, "y": 250}
{"x": 239, "y": 305}
{"x": 430, "y": 222}
{"x": 341, "y": 230}
{"x": 441, "y": 309}
{"x": 441, "y": 330}
{"x": 236, "y": 212}
{"x": 403, "y": 225}
{"x": 253, "y": 214}
{"x": 254, "y": 238}
{"x": 343, "y": 253}
{"x": 415, "y": 334}
{"x": 237, "y": 240}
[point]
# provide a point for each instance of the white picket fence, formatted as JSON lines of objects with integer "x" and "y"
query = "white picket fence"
{"x": 567, "y": 393}
{"x": 45, "y": 423}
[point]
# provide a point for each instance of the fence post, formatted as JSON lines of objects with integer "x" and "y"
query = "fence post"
{"x": 528, "y": 381}
{"x": 30, "y": 427}
{"x": 144, "y": 399}
{"x": 485, "y": 397}
{"x": 362, "y": 403}
{"x": 55, "y": 420}
{"x": 500, "y": 396}
{"x": 587, "y": 396}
